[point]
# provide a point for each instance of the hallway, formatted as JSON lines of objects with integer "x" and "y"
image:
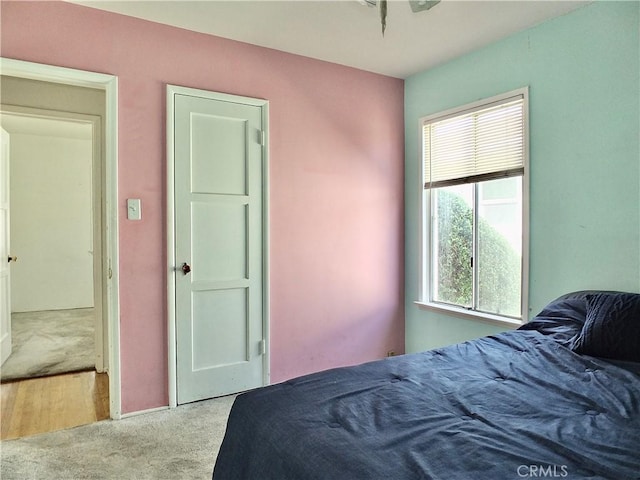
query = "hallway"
{"x": 51, "y": 342}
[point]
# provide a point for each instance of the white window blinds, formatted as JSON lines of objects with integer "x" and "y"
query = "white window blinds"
{"x": 476, "y": 145}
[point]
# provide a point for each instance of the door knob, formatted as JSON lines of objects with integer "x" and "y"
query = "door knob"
{"x": 12, "y": 259}
{"x": 186, "y": 268}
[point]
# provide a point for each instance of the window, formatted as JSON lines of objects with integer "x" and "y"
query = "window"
{"x": 474, "y": 208}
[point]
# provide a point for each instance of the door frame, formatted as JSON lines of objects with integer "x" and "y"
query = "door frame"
{"x": 5, "y": 268}
{"x": 108, "y": 83}
{"x": 172, "y": 267}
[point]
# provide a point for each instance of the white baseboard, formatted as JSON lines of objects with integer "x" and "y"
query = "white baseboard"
{"x": 143, "y": 412}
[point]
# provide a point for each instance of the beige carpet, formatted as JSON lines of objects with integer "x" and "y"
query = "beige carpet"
{"x": 176, "y": 444}
{"x": 50, "y": 342}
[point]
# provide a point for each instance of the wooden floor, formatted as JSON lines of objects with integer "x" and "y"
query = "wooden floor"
{"x": 40, "y": 405}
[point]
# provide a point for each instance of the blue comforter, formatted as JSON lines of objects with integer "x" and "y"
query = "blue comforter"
{"x": 515, "y": 405}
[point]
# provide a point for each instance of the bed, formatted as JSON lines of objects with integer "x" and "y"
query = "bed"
{"x": 557, "y": 398}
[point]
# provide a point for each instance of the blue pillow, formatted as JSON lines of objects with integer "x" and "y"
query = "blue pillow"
{"x": 561, "y": 319}
{"x": 612, "y": 327}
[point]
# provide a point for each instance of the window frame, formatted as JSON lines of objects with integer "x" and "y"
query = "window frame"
{"x": 425, "y": 301}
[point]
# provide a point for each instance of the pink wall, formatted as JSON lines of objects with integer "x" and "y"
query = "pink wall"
{"x": 336, "y": 184}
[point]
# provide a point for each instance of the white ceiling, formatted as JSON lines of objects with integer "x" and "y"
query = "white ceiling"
{"x": 347, "y": 31}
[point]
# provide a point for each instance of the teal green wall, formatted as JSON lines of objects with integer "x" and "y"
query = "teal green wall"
{"x": 582, "y": 70}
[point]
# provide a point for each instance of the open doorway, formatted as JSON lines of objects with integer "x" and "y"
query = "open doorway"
{"x": 55, "y": 236}
{"x": 55, "y": 93}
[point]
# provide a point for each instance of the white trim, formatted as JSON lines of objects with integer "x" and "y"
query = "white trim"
{"x": 469, "y": 314}
{"x": 52, "y": 73}
{"x": 477, "y": 105}
{"x": 108, "y": 83}
{"x": 525, "y": 211}
{"x": 137, "y": 413}
{"x": 99, "y": 270}
{"x": 171, "y": 253}
{"x": 223, "y": 97}
{"x": 266, "y": 303}
{"x": 424, "y": 293}
{"x": 173, "y": 90}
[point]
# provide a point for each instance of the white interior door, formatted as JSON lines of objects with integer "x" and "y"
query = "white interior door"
{"x": 218, "y": 246}
{"x": 5, "y": 259}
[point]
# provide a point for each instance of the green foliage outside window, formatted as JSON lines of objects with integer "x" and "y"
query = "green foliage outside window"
{"x": 498, "y": 263}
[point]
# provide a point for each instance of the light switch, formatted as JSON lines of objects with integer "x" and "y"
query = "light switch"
{"x": 133, "y": 209}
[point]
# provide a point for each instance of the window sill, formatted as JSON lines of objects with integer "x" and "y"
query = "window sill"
{"x": 470, "y": 315}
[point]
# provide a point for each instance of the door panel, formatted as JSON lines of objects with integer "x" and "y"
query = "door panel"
{"x": 224, "y": 254}
{"x": 210, "y": 349}
{"x": 214, "y": 173}
{"x": 218, "y": 223}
